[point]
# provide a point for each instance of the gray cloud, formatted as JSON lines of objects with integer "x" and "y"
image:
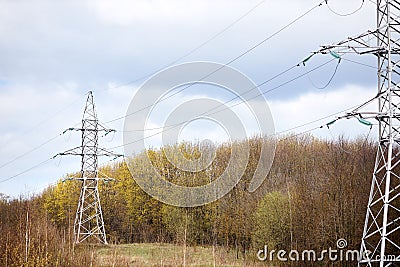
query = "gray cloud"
{"x": 52, "y": 52}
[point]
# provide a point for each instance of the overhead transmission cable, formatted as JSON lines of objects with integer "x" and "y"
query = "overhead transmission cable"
{"x": 276, "y": 134}
{"x": 34, "y": 148}
{"x": 195, "y": 49}
{"x": 48, "y": 140}
{"x": 170, "y": 127}
{"x": 192, "y": 51}
{"x": 226, "y": 64}
{"x": 276, "y": 87}
{"x": 263, "y": 83}
{"x": 316, "y": 120}
{"x": 251, "y": 89}
{"x": 345, "y": 14}
{"x": 360, "y": 63}
{"x": 248, "y": 91}
{"x": 148, "y": 75}
{"x": 25, "y": 171}
{"x": 222, "y": 104}
{"x": 53, "y": 115}
{"x": 29, "y": 151}
{"x": 331, "y": 78}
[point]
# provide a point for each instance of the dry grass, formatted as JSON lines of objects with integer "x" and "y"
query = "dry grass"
{"x": 156, "y": 254}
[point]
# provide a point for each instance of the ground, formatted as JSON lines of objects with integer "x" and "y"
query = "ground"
{"x": 169, "y": 255}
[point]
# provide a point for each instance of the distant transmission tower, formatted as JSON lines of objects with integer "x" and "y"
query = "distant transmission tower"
{"x": 381, "y": 235}
{"x": 89, "y": 216}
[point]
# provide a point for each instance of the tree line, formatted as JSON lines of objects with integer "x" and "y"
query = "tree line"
{"x": 315, "y": 194}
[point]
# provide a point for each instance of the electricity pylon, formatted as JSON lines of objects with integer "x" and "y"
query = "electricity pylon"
{"x": 381, "y": 235}
{"x": 89, "y": 216}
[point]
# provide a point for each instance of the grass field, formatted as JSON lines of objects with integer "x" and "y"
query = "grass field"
{"x": 169, "y": 255}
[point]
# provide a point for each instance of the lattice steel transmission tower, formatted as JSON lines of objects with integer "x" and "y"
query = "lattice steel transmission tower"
{"x": 381, "y": 234}
{"x": 89, "y": 216}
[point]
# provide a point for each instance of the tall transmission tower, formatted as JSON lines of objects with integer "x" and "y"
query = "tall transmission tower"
{"x": 89, "y": 216}
{"x": 381, "y": 234}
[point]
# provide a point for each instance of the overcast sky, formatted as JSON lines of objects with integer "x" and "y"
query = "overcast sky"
{"x": 53, "y": 52}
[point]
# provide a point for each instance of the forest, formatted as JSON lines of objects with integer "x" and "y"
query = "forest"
{"x": 315, "y": 194}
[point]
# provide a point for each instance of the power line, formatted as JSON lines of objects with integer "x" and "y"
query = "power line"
{"x": 251, "y": 89}
{"x": 302, "y": 133}
{"x": 231, "y": 61}
{"x": 346, "y": 14}
{"x": 195, "y": 49}
{"x": 181, "y": 123}
{"x": 205, "y": 113}
{"x": 34, "y": 149}
{"x": 317, "y": 120}
{"x": 138, "y": 79}
{"x": 276, "y": 87}
{"x": 228, "y": 63}
{"x": 330, "y": 79}
{"x": 243, "y": 101}
{"x": 53, "y": 115}
{"x": 30, "y": 151}
{"x": 25, "y": 171}
{"x": 276, "y": 134}
{"x": 360, "y": 63}
{"x": 262, "y": 93}
{"x": 223, "y": 104}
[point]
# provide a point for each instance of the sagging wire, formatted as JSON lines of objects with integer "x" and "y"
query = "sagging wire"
{"x": 227, "y": 63}
{"x": 336, "y": 56}
{"x": 67, "y": 137}
{"x": 367, "y": 137}
{"x": 57, "y": 164}
{"x": 303, "y": 62}
{"x": 340, "y": 147}
{"x": 347, "y": 14}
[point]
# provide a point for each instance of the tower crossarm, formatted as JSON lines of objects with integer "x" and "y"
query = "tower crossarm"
{"x": 364, "y": 43}
{"x": 100, "y": 128}
{"x": 105, "y": 152}
{"x": 77, "y": 151}
{"x": 370, "y": 42}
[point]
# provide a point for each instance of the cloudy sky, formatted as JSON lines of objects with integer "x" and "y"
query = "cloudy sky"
{"x": 53, "y": 52}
